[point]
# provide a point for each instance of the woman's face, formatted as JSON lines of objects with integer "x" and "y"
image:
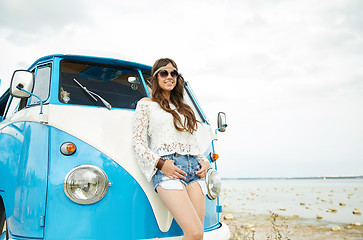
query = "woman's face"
{"x": 167, "y": 82}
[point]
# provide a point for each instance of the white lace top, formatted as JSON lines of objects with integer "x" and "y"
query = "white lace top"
{"x": 155, "y": 135}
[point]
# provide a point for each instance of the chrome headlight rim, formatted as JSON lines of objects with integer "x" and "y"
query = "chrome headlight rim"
{"x": 92, "y": 200}
{"x": 211, "y": 195}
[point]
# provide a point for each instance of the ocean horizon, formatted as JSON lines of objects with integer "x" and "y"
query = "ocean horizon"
{"x": 294, "y": 178}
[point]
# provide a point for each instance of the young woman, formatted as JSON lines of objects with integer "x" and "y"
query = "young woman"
{"x": 167, "y": 150}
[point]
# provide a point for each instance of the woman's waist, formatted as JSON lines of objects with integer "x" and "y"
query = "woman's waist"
{"x": 186, "y": 162}
{"x": 176, "y": 154}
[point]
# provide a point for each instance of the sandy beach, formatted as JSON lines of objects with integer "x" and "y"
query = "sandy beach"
{"x": 293, "y": 209}
{"x": 258, "y": 227}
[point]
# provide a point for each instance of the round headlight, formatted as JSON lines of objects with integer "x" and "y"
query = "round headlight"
{"x": 86, "y": 184}
{"x": 213, "y": 183}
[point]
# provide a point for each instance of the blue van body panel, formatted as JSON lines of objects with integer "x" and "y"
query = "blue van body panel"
{"x": 24, "y": 166}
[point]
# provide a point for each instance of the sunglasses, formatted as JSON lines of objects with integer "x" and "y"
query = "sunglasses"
{"x": 165, "y": 73}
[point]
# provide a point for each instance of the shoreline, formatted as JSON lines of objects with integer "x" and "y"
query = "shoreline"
{"x": 265, "y": 226}
{"x": 359, "y": 177}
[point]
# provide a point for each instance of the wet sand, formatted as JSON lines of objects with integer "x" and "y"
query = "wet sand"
{"x": 258, "y": 227}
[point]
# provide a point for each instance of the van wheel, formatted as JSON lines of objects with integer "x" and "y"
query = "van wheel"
{"x": 3, "y": 225}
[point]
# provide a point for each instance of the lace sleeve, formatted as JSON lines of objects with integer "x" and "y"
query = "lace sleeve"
{"x": 145, "y": 157}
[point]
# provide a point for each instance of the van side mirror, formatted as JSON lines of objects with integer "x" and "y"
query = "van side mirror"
{"x": 222, "y": 124}
{"x": 22, "y": 79}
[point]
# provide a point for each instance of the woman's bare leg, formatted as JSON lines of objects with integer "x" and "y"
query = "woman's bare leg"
{"x": 182, "y": 209}
{"x": 198, "y": 199}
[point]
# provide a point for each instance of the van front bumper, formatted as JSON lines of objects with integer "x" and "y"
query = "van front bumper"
{"x": 221, "y": 233}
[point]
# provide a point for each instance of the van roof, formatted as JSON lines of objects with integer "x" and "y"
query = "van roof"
{"x": 101, "y": 60}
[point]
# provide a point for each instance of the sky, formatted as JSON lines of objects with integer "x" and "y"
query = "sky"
{"x": 287, "y": 73}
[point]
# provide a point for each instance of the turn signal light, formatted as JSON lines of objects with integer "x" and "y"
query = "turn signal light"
{"x": 214, "y": 156}
{"x": 68, "y": 148}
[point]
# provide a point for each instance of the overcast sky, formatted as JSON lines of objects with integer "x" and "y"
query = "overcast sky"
{"x": 288, "y": 74}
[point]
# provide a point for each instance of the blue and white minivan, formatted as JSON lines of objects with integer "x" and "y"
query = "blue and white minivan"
{"x": 67, "y": 168}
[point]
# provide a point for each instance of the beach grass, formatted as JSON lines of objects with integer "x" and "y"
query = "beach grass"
{"x": 276, "y": 227}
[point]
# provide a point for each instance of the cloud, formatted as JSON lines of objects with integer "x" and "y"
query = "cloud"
{"x": 30, "y": 16}
{"x": 26, "y": 22}
{"x": 287, "y": 73}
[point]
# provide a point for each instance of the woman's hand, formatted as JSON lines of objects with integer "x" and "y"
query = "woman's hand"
{"x": 202, "y": 172}
{"x": 172, "y": 171}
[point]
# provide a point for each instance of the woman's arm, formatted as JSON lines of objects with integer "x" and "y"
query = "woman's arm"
{"x": 146, "y": 158}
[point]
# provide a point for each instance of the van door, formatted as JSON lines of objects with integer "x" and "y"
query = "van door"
{"x": 29, "y": 154}
{"x": 24, "y": 151}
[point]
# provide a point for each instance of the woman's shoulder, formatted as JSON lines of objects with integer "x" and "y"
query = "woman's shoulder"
{"x": 145, "y": 101}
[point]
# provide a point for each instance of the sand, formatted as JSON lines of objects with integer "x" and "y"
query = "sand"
{"x": 249, "y": 227}
{"x": 308, "y": 209}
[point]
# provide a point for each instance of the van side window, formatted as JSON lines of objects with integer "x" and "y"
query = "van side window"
{"x": 42, "y": 84}
{"x": 15, "y": 104}
{"x": 188, "y": 100}
{"x": 3, "y": 102}
{"x": 147, "y": 78}
{"x": 13, "y": 107}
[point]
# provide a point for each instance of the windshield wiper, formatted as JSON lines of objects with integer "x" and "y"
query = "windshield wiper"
{"x": 92, "y": 94}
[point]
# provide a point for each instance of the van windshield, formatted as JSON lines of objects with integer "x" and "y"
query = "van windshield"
{"x": 120, "y": 87}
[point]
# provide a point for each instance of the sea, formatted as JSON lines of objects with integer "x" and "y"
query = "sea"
{"x": 331, "y": 199}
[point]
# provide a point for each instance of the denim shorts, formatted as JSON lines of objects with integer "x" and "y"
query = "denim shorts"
{"x": 187, "y": 163}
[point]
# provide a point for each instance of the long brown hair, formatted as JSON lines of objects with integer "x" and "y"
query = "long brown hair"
{"x": 176, "y": 98}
